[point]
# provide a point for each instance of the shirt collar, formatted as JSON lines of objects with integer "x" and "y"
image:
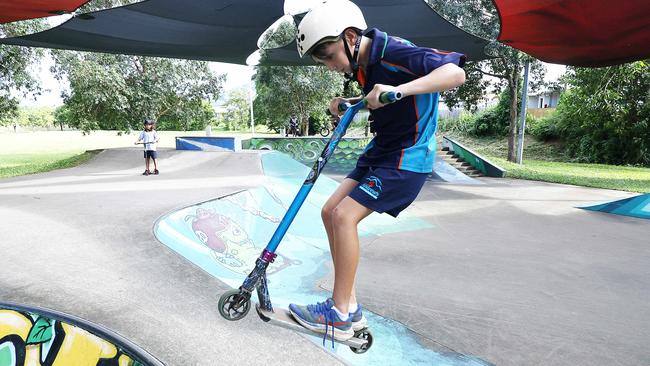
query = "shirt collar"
{"x": 378, "y": 45}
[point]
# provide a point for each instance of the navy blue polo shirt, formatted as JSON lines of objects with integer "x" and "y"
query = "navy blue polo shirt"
{"x": 406, "y": 129}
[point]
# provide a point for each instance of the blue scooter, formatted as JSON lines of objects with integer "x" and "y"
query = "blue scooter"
{"x": 235, "y": 304}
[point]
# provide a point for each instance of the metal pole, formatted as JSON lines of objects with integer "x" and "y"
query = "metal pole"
{"x": 522, "y": 116}
{"x": 250, "y": 98}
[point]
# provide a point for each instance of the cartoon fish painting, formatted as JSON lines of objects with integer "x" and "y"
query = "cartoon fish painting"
{"x": 229, "y": 243}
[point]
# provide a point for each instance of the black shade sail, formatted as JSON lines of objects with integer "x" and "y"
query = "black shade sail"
{"x": 227, "y": 30}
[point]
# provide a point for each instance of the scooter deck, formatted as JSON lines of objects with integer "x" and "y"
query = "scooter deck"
{"x": 283, "y": 318}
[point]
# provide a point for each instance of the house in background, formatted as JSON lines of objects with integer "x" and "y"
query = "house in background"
{"x": 546, "y": 99}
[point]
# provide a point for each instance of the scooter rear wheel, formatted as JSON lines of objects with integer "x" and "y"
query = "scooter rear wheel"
{"x": 234, "y": 305}
{"x": 366, "y": 335}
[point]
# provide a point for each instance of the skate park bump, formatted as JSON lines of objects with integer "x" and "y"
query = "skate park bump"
{"x": 225, "y": 236}
{"x": 637, "y": 206}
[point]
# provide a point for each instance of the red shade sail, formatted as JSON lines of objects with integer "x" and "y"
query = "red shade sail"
{"x": 588, "y": 33}
{"x": 11, "y": 11}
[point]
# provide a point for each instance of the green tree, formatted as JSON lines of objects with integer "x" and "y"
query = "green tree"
{"x": 193, "y": 115}
{"x": 96, "y": 5}
{"x": 63, "y": 117}
{"x": 303, "y": 90}
{"x": 118, "y": 91}
{"x": 480, "y": 17}
{"x": 14, "y": 68}
{"x": 237, "y": 116}
{"x": 604, "y": 115}
{"x": 36, "y": 117}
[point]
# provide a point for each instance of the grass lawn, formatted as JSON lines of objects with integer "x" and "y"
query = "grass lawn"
{"x": 545, "y": 162}
{"x": 12, "y": 165}
{"x": 36, "y": 152}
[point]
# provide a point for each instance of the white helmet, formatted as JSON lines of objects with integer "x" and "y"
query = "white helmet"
{"x": 326, "y": 21}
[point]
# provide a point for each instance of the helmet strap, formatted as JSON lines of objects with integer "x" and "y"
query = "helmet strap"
{"x": 353, "y": 57}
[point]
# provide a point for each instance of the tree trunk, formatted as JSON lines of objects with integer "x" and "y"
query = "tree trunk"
{"x": 513, "y": 82}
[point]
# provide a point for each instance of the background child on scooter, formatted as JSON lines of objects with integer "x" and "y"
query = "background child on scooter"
{"x": 149, "y": 138}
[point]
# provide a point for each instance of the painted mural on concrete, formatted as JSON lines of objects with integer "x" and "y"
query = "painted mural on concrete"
{"x": 32, "y": 339}
{"x": 226, "y": 235}
{"x": 307, "y": 149}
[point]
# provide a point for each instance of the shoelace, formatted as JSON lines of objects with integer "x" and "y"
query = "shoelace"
{"x": 319, "y": 308}
{"x": 328, "y": 313}
{"x": 329, "y": 316}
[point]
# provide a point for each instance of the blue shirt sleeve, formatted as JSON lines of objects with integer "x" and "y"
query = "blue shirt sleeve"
{"x": 418, "y": 61}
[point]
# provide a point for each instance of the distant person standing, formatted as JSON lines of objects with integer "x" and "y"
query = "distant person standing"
{"x": 149, "y": 138}
{"x": 293, "y": 125}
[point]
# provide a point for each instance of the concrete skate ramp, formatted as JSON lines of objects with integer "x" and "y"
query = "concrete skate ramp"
{"x": 307, "y": 149}
{"x": 225, "y": 236}
{"x": 638, "y": 206}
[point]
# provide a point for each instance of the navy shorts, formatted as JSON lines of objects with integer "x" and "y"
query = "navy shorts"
{"x": 151, "y": 154}
{"x": 385, "y": 189}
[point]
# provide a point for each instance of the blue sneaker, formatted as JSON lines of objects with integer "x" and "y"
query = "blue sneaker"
{"x": 358, "y": 320}
{"x": 320, "y": 318}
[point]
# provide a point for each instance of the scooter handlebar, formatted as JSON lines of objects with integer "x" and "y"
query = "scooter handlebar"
{"x": 384, "y": 98}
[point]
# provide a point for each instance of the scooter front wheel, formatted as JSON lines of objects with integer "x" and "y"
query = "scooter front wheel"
{"x": 234, "y": 305}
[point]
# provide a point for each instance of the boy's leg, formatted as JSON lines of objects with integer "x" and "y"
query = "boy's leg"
{"x": 328, "y": 209}
{"x": 147, "y": 162}
{"x": 327, "y": 212}
{"x": 346, "y": 216}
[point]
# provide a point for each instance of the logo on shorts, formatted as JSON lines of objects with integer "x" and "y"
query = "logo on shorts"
{"x": 372, "y": 186}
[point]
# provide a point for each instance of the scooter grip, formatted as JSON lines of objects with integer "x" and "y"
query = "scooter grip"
{"x": 384, "y": 98}
{"x": 342, "y": 108}
{"x": 389, "y": 97}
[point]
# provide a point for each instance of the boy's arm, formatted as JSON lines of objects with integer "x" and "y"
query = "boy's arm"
{"x": 445, "y": 77}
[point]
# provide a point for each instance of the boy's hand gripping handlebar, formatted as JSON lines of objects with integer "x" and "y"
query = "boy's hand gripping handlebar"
{"x": 384, "y": 98}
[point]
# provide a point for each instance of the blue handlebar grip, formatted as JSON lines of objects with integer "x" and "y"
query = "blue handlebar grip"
{"x": 384, "y": 98}
{"x": 390, "y": 97}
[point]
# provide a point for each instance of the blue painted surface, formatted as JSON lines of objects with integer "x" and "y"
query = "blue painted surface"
{"x": 638, "y": 206}
{"x": 208, "y": 143}
{"x": 225, "y": 236}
